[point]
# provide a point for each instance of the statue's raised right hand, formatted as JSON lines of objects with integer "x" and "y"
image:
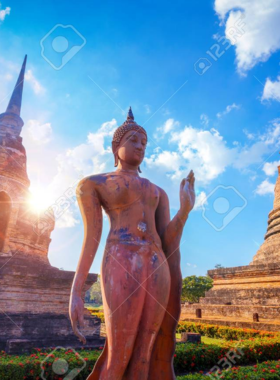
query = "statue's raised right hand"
{"x": 76, "y": 312}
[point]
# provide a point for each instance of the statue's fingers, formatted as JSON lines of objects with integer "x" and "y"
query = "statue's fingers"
{"x": 183, "y": 183}
{"x": 77, "y": 332}
{"x": 192, "y": 181}
{"x": 80, "y": 336}
{"x": 189, "y": 175}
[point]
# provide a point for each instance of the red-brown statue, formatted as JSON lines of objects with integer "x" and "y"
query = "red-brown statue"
{"x": 140, "y": 273}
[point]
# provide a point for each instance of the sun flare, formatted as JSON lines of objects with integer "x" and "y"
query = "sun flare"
{"x": 40, "y": 198}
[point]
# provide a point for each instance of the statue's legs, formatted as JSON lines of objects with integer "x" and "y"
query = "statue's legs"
{"x": 123, "y": 268}
{"x": 156, "y": 300}
{"x": 161, "y": 364}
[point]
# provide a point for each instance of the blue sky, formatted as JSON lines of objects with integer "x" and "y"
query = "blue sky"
{"x": 208, "y": 103}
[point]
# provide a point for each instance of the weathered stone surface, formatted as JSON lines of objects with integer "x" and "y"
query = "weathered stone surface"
{"x": 34, "y": 296}
{"x": 240, "y": 292}
{"x": 269, "y": 252}
{"x": 23, "y": 332}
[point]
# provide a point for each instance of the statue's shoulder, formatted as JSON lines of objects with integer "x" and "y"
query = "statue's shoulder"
{"x": 162, "y": 192}
{"x": 92, "y": 181}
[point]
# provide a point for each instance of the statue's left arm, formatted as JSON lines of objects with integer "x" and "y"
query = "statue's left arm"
{"x": 170, "y": 231}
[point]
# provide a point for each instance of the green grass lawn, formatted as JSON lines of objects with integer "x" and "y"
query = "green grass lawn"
{"x": 206, "y": 340}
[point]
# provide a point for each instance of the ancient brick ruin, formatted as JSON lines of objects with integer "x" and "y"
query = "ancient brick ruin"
{"x": 241, "y": 295}
{"x": 34, "y": 296}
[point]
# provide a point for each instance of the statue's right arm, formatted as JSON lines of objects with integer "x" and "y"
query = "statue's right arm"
{"x": 91, "y": 211}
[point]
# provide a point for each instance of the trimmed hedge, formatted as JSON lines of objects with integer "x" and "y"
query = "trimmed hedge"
{"x": 212, "y": 331}
{"x": 188, "y": 357}
{"x": 98, "y": 314}
{"x": 264, "y": 371}
{"x": 197, "y": 357}
{"x": 222, "y": 332}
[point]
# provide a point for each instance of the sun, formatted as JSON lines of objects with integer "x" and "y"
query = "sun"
{"x": 40, "y": 198}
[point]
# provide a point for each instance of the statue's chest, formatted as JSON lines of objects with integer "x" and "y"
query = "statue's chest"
{"x": 122, "y": 192}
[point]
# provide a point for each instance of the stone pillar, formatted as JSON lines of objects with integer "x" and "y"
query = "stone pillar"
{"x": 269, "y": 251}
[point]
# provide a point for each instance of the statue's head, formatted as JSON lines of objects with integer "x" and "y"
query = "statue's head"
{"x": 129, "y": 142}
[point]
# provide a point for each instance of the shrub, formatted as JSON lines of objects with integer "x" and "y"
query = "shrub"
{"x": 264, "y": 371}
{"x": 223, "y": 332}
{"x": 188, "y": 357}
{"x": 97, "y": 314}
{"x": 196, "y": 357}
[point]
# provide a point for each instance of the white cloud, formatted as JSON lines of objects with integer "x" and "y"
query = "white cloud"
{"x": 249, "y": 135}
{"x": 271, "y": 90}
{"x": 38, "y": 132}
{"x": 209, "y": 155}
{"x": 270, "y": 168}
{"x": 191, "y": 265}
{"x": 200, "y": 200}
{"x": 4, "y": 12}
{"x": 165, "y": 160}
{"x": 9, "y": 72}
{"x": 265, "y": 187}
{"x": 228, "y": 109}
{"x": 92, "y": 157}
{"x": 167, "y": 127}
{"x": 203, "y": 151}
{"x": 35, "y": 84}
{"x": 67, "y": 220}
{"x": 204, "y": 119}
{"x": 264, "y": 145}
{"x": 55, "y": 170}
{"x": 262, "y": 32}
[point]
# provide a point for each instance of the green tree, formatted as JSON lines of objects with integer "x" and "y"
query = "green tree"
{"x": 194, "y": 287}
{"x": 218, "y": 266}
{"x": 93, "y": 295}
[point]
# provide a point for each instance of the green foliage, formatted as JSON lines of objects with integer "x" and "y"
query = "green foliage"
{"x": 218, "y": 266}
{"x": 222, "y": 332}
{"x": 93, "y": 295}
{"x": 202, "y": 357}
{"x": 188, "y": 357}
{"x": 41, "y": 363}
{"x": 97, "y": 313}
{"x": 194, "y": 287}
{"x": 264, "y": 371}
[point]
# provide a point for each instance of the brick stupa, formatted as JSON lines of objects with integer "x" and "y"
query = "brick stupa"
{"x": 240, "y": 292}
{"x": 34, "y": 296}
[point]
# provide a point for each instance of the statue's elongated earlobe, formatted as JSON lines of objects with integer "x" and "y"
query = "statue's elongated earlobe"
{"x": 139, "y": 169}
{"x": 116, "y": 159}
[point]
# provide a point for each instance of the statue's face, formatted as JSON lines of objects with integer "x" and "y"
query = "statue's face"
{"x": 132, "y": 147}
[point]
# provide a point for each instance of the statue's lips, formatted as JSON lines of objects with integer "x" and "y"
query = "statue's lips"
{"x": 140, "y": 154}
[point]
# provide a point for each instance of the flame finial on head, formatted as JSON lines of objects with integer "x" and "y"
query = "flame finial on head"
{"x": 130, "y": 114}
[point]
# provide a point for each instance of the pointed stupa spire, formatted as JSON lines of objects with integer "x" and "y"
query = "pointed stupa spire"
{"x": 130, "y": 114}
{"x": 14, "y": 105}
